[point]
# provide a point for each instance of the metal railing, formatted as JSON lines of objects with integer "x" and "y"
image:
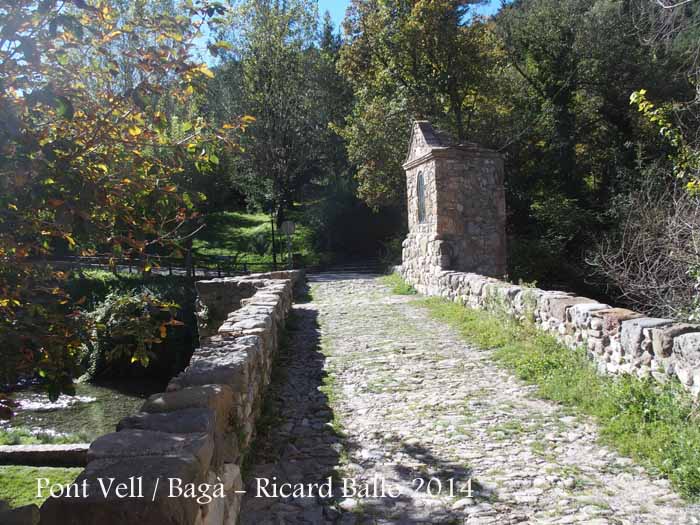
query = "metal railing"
{"x": 193, "y": 266}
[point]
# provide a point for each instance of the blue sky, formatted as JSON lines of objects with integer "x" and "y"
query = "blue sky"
{"x": 337, "y": 8}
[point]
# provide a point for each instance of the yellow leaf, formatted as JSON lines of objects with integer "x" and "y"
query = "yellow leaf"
{"x": 12, "y": 207}
{"x": 135, "y": 131}
{"x": 70, "y": 240}
{"x": 112, "y": 35}
{"x": 206, "y": 71}
{"x": 134, "y": 358}
{"x": 126, "y": 181}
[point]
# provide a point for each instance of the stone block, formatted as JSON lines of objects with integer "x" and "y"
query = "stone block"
{"x": 580, "y": 314}
{"x": 556, "y": 307}
{"x": 232, "y": 477}
{"x": 218, "y": 398}
{"x": 70, "y": 455}
{"x": 232, "y": 369}
{"x": 685, "y": 375}
{"x": 612, "y": 319}
{"x": 187, "y": 421}
{"x": 632, "y": 332}
{"x": 662, "y": 338}
{"x": 141, "y": 443}
{"x": 137, "y": 473}
{"x": 686, "y": 349}
{"x": 214, "y": 512}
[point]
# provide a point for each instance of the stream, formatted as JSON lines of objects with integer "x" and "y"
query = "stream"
{"x": 93, "y": 411}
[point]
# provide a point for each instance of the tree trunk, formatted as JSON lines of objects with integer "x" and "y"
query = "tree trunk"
{"x": 274, "y": 243}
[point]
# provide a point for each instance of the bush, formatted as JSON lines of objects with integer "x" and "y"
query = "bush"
{"x": 652, "y": 258}
{"x": 126, "y": 328}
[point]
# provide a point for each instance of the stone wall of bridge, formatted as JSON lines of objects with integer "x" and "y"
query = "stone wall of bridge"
{"x": 178, "y": 461}
{"x": 616, "y": 339}
{"x": 455, "y": 249}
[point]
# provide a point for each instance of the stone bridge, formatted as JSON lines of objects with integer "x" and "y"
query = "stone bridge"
{"x": 376, "y": 413}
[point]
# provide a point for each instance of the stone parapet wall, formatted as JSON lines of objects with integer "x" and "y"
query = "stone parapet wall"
{"x": 199, "y": 430}
{"x": 618, "y": 340}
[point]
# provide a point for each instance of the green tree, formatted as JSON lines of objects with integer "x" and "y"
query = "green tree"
{"x": 87, "y": 165}
{"x": 409, "y": 60}
{"x": 272, "y": 41}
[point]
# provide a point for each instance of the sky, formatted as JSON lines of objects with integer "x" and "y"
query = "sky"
{"x": 337, "y": 8}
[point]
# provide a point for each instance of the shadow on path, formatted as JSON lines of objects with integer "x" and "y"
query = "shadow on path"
{"x": 295, "y": 441}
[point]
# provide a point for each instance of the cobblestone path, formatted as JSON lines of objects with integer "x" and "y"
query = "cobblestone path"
{"x": 407, "y": 402}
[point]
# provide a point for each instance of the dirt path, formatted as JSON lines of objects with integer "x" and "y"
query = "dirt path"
{"x": 411, "y": 413}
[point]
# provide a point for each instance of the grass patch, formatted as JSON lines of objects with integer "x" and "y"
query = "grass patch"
{"x": 24, "y": 436}
{"x": 18, "y": 485}
{"x": 248, "y": 236}
{"x": 398, "y": 285}
{"x": 655, "y": 424}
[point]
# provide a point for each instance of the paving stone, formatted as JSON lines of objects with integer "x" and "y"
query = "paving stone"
{"x": 413, "y": 400}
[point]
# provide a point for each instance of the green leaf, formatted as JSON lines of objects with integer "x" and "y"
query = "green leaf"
{"x": 64, "y": 107}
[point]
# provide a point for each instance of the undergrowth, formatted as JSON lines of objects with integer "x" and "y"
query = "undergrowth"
{"x": 398, "y": 285}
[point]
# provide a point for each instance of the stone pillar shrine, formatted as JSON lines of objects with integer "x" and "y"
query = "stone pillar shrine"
{"x": 456, "y": 208}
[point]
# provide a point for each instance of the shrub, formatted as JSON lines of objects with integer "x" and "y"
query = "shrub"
{"x": 125, "y": 328}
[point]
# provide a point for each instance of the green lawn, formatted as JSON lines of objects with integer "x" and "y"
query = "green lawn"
{"x": 18, "y": 485}
{"x": 658, "y": 425}
{"x": 247, "y": 235}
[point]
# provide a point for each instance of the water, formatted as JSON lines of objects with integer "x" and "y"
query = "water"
{"x": 93, "y": 411}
